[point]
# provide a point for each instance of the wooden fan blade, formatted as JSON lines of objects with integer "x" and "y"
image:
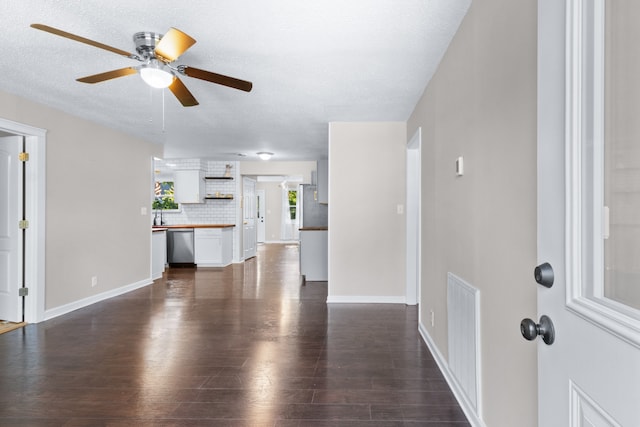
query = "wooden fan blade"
{"x": 218, "y": 78}
{"x": 97, "y": 78}
{"x": 182, "y": 93}
{"x": 67, "y": 35}
{"x": 173, "y": 44}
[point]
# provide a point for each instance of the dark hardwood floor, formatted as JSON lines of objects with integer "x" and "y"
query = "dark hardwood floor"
{"x": 246, "y": 345}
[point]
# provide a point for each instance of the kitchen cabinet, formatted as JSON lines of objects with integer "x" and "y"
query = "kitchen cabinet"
{"x": 189, "y": 186}
{"x": 213, "y": 247}
{"x": 158, "y": 253}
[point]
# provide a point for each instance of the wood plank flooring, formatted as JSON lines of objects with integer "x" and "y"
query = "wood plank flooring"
{"x": 246, "y": 345}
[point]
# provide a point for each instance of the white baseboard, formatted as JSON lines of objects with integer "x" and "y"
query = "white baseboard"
{"x": 68, "y": 308}
{"x": 467, "y": 408}
{"x": 365, "y": 300}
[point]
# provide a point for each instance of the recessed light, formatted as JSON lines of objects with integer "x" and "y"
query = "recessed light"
{"x": 264, "y": 155}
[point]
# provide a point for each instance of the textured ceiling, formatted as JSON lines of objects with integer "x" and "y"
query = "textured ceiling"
{"x": 310, "y": 63}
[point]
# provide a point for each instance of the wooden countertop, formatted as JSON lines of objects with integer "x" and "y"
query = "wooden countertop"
{"x": 156, "y": 227}
{"x": 313, "y": 229}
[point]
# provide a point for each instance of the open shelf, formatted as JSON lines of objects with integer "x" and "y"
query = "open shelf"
{"x": 218, "y": 177}
{"x": 218, "y": 198}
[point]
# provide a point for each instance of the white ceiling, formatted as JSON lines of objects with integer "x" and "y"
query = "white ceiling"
{"x": 310, "y": 63}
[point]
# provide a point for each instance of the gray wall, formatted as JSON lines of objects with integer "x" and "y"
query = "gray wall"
{"x": 97, "y": 182}
{"x": 481, "y": 104}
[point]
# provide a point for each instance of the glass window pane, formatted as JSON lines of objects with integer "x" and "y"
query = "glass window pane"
{"x": 622, "y": 152}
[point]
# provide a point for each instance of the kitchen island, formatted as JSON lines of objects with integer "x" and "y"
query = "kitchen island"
{"x": 314, "y": 254}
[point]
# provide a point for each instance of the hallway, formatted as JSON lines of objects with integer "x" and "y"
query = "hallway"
{"x": 244, "y": 345}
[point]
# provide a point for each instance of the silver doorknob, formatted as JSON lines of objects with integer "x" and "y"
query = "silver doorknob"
{"x": 530, "y": 329}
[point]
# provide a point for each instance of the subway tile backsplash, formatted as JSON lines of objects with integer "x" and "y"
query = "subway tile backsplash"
{"x": 211, "y": 211}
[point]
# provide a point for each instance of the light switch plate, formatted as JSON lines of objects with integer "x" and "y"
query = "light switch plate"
{"x": 400, "y": 209}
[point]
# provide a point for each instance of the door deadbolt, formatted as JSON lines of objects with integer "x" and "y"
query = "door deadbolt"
{"x": 544, "y": 274}
{"x": 530, "y": 330}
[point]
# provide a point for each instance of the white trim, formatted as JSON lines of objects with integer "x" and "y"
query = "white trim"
{"x": 614, "y": 321}
{"x": 21, "y": 129}
{"x": 75, "y": 305}
{"x": 467, "y": 407}
{"x": 585, "y": 99}
{"x": 368, "y": 299}
{"x": 413, "y": 215}
{"x": 583, "y": 407}
{"x": 36, "y": 214}
{"x": 152, "y": 184}
{"x": 573, "y": 138}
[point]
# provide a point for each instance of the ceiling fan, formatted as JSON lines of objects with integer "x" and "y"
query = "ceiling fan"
{"x": 157, "y": 54}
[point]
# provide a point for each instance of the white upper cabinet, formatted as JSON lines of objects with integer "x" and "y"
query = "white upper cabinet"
{"x": 189, "y": 186}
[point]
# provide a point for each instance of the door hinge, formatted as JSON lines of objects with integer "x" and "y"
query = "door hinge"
{"x": 23, "y": 292}
{"x": 23, "y": 157}
{"x": 23, "y": 225}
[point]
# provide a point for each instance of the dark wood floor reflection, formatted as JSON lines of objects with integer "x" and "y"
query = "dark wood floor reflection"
{"x": 246, "y": 345}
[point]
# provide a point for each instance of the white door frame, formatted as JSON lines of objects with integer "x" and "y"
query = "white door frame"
{"x": 35, "y": 201}
{"x": 414, "y": 218}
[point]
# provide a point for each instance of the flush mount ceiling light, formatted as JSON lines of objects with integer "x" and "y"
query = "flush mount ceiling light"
{"x": 156, "y": 74}
{"x": 264, "y": 155}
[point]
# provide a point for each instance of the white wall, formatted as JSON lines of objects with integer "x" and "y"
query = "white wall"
{"x": 366, "y": 233}
{"x": 97, "y": 182}
{"x": 481, "y": 104}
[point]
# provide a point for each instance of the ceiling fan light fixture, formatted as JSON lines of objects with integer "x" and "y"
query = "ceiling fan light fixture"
{"x": 264, "y": 155}
{"x": 156, "y": 74}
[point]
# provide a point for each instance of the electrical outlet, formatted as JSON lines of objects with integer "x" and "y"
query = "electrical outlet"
{"x": 94, "y": 281}
{"x": 433, "y": 318}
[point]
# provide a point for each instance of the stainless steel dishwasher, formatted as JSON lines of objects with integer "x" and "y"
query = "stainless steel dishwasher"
{"x": 180, "y": 246}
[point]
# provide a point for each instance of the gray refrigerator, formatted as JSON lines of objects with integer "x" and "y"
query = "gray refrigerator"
{"x": 312, "y": 213}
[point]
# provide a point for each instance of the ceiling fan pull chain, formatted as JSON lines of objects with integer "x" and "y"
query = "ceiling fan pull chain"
{"x": 163, "y": 110}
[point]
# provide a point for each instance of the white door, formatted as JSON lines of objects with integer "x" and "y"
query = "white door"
{"x": 260, "y": 210}
{"x": 10, "y": 234}
{"x": 249, "y": 217}
{"x": 589, "y": 213}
